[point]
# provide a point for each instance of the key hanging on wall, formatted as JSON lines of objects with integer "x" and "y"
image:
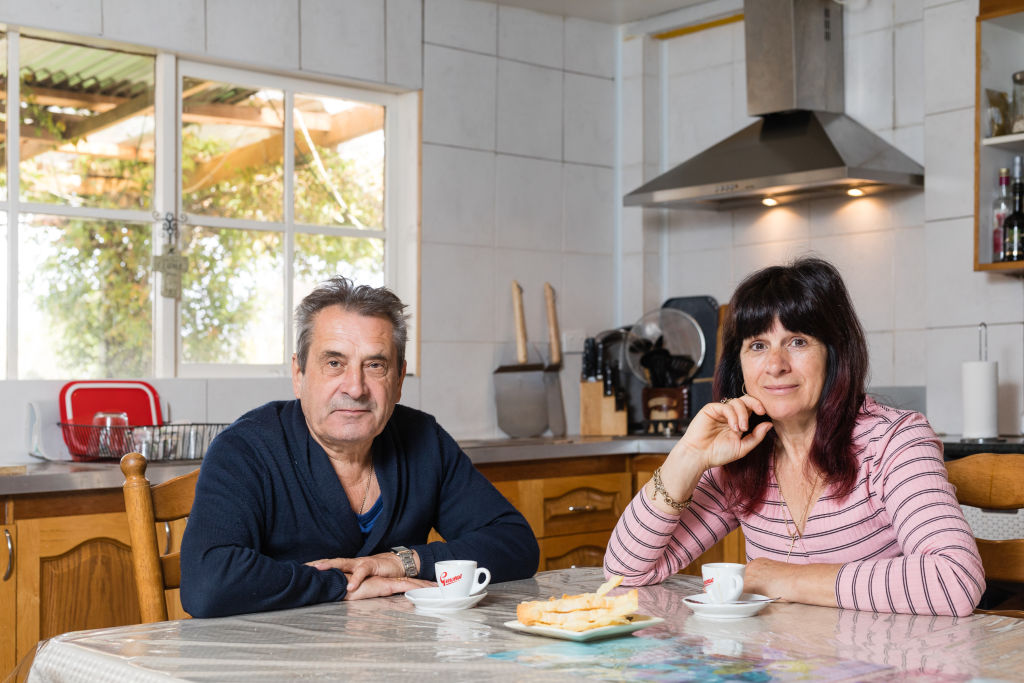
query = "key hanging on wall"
{"x": 170, "y": 264}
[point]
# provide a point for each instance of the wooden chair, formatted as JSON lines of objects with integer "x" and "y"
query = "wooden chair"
{"x": 147, "y": 505}
{"x": 995, "y": 481}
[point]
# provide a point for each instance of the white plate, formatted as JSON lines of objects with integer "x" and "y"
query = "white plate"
{"x": 748, "y": 605}
{"x": 435, "y": 605}
{"x": 638, "y": 622}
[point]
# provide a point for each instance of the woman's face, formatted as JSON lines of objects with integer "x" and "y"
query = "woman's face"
{"x": 786, "y": 372}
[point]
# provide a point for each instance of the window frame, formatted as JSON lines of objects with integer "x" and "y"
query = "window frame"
{"x": 399, "y": 222}
{"x": 400, "y": 233}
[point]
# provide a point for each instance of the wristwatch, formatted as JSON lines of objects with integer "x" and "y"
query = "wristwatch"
{"x": 408, "y": 562}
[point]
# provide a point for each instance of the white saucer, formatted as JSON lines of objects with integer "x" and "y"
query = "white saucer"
{"x": 432, "y": 602}
{"x": 748, "y": 605}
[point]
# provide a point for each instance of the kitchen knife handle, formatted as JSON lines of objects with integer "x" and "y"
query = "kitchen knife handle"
{"x": 520, "y": 320}
{"x": 553, "y": 333}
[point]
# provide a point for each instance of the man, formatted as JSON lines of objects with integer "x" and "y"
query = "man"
{"x": 332, "y": 496}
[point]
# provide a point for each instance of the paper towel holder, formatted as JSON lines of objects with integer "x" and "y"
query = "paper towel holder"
{"x": 983, "y": 357}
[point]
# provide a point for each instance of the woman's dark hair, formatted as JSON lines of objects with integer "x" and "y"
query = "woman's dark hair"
{"x": 808, "y": 297}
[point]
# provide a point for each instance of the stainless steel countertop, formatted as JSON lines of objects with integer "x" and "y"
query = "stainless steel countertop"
{"x": 48, "y": 476}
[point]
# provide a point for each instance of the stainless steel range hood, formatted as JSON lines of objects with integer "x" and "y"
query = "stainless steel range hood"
{"x": 803, "y": 146}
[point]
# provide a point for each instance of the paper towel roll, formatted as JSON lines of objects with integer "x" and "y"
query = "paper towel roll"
{"x": 981, "y": 389}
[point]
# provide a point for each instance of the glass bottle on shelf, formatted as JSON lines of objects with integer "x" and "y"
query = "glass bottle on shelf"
{"x": 1001, "y": 208}
{"x": 1013, "y": 226}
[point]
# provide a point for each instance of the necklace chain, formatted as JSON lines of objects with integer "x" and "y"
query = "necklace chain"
{"x": 366, "y": 491}
{"x": 795, "y": 534}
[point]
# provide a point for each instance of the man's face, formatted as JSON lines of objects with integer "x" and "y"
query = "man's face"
{"x": 351, "y": 382}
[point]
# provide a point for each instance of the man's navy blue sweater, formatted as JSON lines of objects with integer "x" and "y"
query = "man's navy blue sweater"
{"x": 268, "y": 501}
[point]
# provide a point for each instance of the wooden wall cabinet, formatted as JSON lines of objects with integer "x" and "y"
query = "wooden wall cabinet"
{"x": 999, "y": 53}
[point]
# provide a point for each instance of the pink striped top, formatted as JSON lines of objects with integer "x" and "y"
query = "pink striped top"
{"x": 900, "y": 536}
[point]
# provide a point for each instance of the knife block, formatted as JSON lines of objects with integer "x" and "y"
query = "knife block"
{"x": 598, "y": 416}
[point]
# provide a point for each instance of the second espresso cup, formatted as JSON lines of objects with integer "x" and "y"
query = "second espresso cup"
{"x": 460, "y": 578}
{"x": 723, "y": 581}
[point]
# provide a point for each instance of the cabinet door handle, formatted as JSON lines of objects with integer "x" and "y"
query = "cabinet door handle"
{"x": 167, "y": 538}
{"x": 10, "y": 555}
{"x": 581, "y": 508}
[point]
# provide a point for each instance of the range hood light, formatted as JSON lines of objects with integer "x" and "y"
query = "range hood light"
{"x": 855, "y": 192}
{"x": 769, "y": 201}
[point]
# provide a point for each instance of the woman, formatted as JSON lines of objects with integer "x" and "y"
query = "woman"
{"x": 844, "y": 502}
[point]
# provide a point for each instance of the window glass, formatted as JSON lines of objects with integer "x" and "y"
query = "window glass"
{"x": 319, "y": 257}
{"x": 3, "y": 123}
{"x": 84, "y": 307}
{"x": 86, "y": 125}
{"x": 4, "y": 237}
{"x": 232, "y": 151}
{"x": 339, "y": 162}
{"x": 232, "y": 301}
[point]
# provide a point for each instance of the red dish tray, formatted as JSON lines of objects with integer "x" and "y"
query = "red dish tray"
{"x": 80, "y": 400}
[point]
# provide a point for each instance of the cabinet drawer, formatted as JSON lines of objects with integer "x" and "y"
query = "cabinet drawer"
{"x": 570, "y": 505}
{"x": 574, "y": 550}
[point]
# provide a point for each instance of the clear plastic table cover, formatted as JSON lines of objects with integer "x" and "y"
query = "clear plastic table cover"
{"x": 388, "y": 639}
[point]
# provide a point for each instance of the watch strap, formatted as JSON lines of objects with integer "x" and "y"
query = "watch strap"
{"x": 408, "y": 563}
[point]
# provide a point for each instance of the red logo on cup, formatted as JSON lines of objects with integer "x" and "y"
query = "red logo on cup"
{"x": 448, "y": 580}
{"x": 708, "y": 582}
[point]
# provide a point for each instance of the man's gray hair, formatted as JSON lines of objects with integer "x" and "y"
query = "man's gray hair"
{"x": 378, "y": 302}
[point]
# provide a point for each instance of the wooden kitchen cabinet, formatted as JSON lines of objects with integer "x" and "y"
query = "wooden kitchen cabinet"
{"x": 74, "y": 573}
{"x": 571, "y": 514}
{"x": 72, "y": 568}
{"x": 8, "y": 576}
{"x": 999, "y": 53}
{"x": 732, "y": 548}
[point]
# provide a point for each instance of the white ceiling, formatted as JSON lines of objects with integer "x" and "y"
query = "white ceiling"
{"x": 607, "y": 11}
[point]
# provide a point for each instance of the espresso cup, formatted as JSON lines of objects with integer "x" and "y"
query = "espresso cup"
{"x": 723, "y": 581}
{"x": 460, "y": 578}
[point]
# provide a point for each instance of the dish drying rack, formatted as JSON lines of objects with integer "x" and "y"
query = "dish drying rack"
{"x": 179, "y": 441}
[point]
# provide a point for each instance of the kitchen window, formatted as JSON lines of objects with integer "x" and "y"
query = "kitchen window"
{"x": 259, "y": 186}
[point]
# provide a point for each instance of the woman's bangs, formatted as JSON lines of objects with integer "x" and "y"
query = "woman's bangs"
{"x": 759, "y": 316}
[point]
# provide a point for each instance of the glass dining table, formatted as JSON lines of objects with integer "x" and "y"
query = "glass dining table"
{"x": 390, "y": 639}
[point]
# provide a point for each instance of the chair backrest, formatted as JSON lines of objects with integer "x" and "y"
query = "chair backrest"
{"x": 147, "y": 505}
{"x": 993, "y": 481}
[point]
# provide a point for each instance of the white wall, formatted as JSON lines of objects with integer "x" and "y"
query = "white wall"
{"x": 518, "y": 157}
{"x": 906, "y": 257}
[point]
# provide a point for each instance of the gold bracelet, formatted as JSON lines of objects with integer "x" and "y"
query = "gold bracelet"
{"x": 659, "y": 487}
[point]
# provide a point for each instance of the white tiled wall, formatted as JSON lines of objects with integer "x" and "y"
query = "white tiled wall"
{"x": 525, "y": 103}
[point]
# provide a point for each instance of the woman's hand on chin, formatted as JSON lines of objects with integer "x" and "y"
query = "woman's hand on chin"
{"x": 719, "y": 431}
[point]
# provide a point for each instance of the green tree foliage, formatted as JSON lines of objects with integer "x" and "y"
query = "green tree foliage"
{"x": 94, "y": 281}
